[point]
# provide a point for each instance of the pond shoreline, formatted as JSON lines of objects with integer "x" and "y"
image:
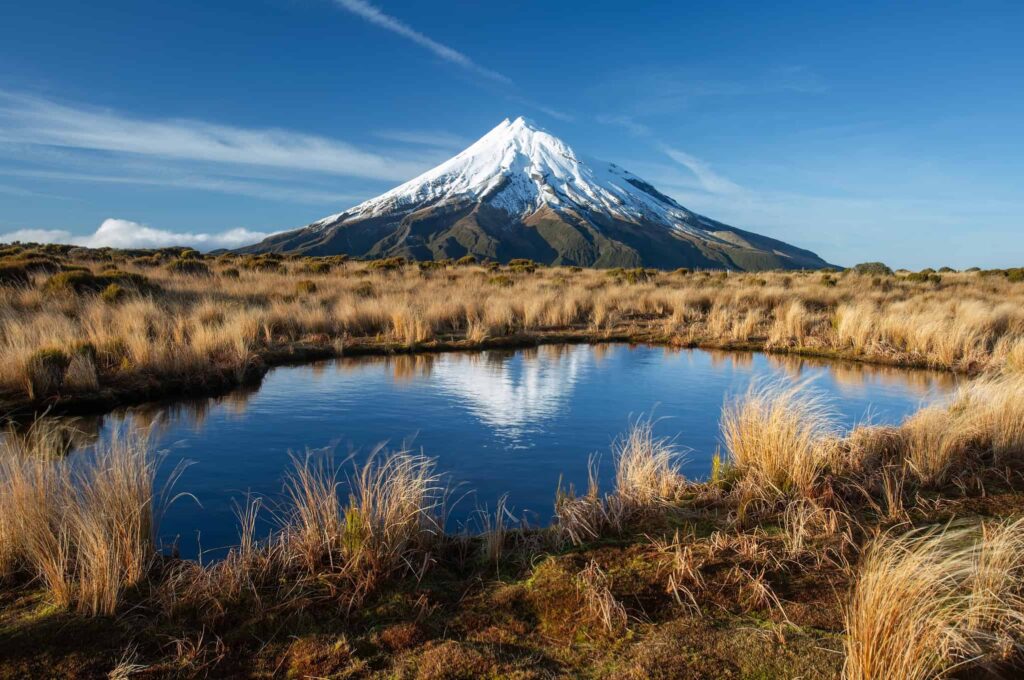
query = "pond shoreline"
{"x": 221, "y": 380}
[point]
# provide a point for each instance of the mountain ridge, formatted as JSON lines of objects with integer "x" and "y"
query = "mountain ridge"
{"x": 520, "y": 192}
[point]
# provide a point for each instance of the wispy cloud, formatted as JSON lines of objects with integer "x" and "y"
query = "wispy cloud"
{"x": 657, "y": 90}
{"x": 222, "y": 185}
{"x": 378, "y": 18}
{"x": 546, "y": 110}
{"x": 434, "y": 138}
{"x": 118, "y": 233}
{"x": 20, "y": 191}
{"x": 26, "y": 119}
{"x": 709, "y": 180}
{"x": 627, "y": 122}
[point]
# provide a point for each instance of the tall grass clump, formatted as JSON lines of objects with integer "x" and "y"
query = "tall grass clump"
{"x": 581, "y": 518}
{"x": 37, "y": 539}
{"x": 780, "y": 438}
{"x": 394, "y": 514}
{"x": 86, "y": 533}
{"x": 646, "y": 467}
{"x": 930, "y": 602}
{"x": 983, "y": 424}
{"x": 113, "y": 521}
{"x": 647, "y": 480}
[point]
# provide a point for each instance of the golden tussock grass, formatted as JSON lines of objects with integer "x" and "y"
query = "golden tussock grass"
{"x": 180, "y": 327}
{"x": 780, "y": 437}
{"x": 981, "y": 425}
{"x": 929, "y": 602}
{"x": 86, "y": 533}
{"x": 647, "y": 481}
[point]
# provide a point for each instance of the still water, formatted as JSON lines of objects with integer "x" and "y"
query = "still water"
{"x": 497, "y": 422}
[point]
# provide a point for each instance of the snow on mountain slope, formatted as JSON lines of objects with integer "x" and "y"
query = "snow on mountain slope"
{"x": 520, "y": 167}
{"x": 520, "y": 192}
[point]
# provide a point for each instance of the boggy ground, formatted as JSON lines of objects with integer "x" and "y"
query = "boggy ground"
{"x": 885, "y": 552}
{"x": 87, "y": 330}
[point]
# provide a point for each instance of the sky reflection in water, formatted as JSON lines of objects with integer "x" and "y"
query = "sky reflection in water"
{"x": 497, "y": 422}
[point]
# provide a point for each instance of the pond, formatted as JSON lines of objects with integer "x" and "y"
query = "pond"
{"x": 497, "y": 422}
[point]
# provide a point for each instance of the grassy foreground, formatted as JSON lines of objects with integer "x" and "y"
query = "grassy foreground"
{"x": 892, "y": 552}
{"x": 90, "y": 329}
{"x": 885, "y": 552}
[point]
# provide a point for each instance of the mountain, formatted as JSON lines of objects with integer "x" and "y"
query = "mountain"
{"x": 520, "y": 192}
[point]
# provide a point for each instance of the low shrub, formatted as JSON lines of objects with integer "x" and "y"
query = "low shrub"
{"x": 113, "y": 294}
{"x": 502, "y": 281}
{"x": 522, "y": 265}
{"x": 430, "y": 265}
{"x": 873, "y": 269}
{"x": 13, "y": 275}
{"x": 80, "y": 281}
{"x": 637, "y": 275}
{"x": 316, "y": 267}
{"x": 364, "y": 290}
{"x": 44, "y": 373}
{"x": 387, "y": 263}
{"x": 267, "y": 262}
{"x": 189, "y": 267}
{"x": 465, "y": 260}
{"x": 230, "y": 273}
{"x": 148, "y": 261}
{"x": 924, "y": 276}
{"x": 305, "y": 287}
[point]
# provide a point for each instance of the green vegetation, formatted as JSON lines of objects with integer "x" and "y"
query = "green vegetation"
{"x": 189, "y": 266}
{"x": 873, "y": 269}
{"x": 81, "y": 281}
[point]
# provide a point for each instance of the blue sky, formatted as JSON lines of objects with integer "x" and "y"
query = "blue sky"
{"x": 862, "y": 131}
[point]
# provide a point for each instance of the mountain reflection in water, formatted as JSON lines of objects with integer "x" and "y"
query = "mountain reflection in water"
{"x": 497, "y": 421}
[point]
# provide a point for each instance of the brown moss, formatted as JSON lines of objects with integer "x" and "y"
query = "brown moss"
{"x": 451, "y": 660}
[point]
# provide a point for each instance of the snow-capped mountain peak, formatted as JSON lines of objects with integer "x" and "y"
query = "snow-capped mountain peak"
{"x": 520, "y": 167}
{"x": 520, "y": 191}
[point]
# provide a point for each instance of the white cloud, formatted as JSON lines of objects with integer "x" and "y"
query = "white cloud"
{"x": 37, "y": 236}
{"x": 378, "y": 18}
{"x": 27, "y": 119}
{"x": 117, "y": 233}
{"x": 709, "y": 180}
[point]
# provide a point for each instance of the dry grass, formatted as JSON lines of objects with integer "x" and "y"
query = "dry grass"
{"x": 983, "y": 424}
{"x": 926, "y": 603}
{"x": 923, "y": 604}
{"x": 86, "y": 533}
{"x": 181, "y": 328}
{"x": 647, "y": 481}
{"x": 780, "y": 438}
{"x": 599, "y": 603}
{"x": 646, "y": 468}
{"x": 394, "y": 514}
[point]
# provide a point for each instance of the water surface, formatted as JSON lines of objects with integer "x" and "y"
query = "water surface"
{"x": 497, "y": 421}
